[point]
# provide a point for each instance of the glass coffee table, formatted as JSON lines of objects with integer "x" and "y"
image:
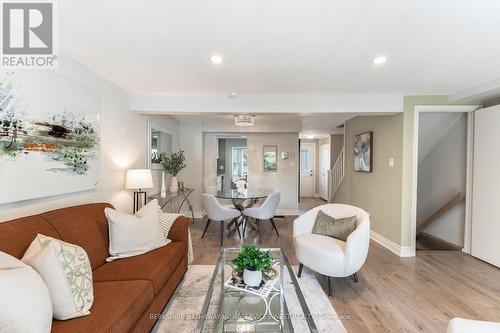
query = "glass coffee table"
{"x": 281, "y": 309}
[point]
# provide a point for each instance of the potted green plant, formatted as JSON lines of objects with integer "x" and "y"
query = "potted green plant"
{"x": 173, "y": 164}
{"x": 252, "y": 261}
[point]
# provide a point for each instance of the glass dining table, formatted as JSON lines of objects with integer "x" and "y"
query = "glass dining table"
{"x": 242, "y": 199}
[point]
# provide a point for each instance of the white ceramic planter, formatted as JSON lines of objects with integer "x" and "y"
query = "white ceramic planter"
{"x": 174, "y": 185}
{"x": 252, "y": 278}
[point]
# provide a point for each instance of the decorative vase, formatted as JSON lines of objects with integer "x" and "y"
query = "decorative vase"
{"x": 252, "y": 278}
{"x": 163, "y": 192}
{"x": 174, "y": 185}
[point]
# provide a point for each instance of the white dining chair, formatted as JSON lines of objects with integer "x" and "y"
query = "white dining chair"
{"x": 264, "y": 212}
{"x": 266, "y": 189}
{"x": 216, "y": 212}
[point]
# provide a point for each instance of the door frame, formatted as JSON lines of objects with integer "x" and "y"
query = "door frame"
{"x": 329, "y": 151}
{"x": 469, "y": 109}
{"x": 313, "y": 144}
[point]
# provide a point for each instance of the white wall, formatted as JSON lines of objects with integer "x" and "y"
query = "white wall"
{"x": 173, "y": 126}
{"x": 441, "y": 175}
{"x": 191, "y": 141}
{"x": 285, "y": 180}
{"x": 123, "y": 146}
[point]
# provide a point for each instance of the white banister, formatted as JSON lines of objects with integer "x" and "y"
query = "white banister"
{"x": 336, "y": 175}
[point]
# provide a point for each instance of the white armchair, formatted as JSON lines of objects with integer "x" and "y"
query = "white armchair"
{"x": 327, "y": 255}
{"x": 459, "y": 325}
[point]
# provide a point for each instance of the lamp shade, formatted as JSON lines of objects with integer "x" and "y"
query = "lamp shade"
{"x": 138, "y": 179}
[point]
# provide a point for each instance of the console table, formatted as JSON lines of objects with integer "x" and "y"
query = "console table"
{"x": 172, "y": 197}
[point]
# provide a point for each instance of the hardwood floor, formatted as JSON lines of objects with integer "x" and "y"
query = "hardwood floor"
{"x": 394, "y": 294}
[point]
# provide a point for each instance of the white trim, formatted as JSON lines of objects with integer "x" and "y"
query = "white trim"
{"x": 468, "y": 183}
{"x": 437, "y": 108}
{"x": 405, "y": 251}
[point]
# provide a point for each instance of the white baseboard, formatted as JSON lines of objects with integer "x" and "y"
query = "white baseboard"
{"x": 407, "y": 251}
{"x": 401, "y": 251}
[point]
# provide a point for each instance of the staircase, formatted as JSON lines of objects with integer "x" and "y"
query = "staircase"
{"x": 336, "y": 175}
{"x": 455, "y": 200}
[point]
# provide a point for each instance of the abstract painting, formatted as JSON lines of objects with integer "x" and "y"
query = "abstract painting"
{"x": 49, "y": 135}
{"x": 363, "y": 152}
{"x": 270, "y": 158}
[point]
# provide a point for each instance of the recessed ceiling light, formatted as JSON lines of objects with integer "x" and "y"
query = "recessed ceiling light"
{"x": 310, "y": 137}
{"x": 380, "y": 60}
{"x": 216, "y": 59}
{"x": 232, "y": 94}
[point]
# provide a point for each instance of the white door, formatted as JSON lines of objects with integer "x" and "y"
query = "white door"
{"x": 324, "y": 167}
{"x": 307, "y": 159}
{"x": 485, "y": 242}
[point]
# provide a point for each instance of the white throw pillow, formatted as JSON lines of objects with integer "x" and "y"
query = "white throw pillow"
{"x": 25, "y": 304}
{"x": 66, "y": 270}
{"x": 132, "y": 235}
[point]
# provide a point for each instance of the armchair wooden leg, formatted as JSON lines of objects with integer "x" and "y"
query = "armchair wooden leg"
{"x": 301, "y": 267}
{"x": 355, "y": 277}
{"x": 329, "y": 286}
{"x": 206, "y": 227}
{"x": 274, "y": 226}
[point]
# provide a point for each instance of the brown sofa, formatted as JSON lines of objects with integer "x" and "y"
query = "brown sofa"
{"x": 128, "y": 293}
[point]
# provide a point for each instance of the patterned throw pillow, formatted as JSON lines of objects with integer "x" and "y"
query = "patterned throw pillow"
{"x": 66, "y": 270}
{"x": 336, "y": 228}
{"x": 167, "y": 221}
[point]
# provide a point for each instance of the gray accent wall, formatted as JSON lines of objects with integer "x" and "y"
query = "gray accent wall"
{"x": 378, "y": 192}
{"x": 336, "y": 145}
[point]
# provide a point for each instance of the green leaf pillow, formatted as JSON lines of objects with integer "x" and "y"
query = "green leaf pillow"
{"x": 336, "y": 228}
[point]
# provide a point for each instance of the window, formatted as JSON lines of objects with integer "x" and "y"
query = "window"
{"x": 239, "y": 162}
{"x": 304, "y": 159}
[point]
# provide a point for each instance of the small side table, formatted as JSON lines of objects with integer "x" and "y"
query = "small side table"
{"x": 171, "y": 197}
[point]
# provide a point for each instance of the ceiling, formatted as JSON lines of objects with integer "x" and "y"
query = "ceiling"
{"x": 285, "y": 47}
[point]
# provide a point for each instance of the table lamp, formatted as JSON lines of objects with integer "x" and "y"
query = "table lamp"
{"x": 138, "y": 180}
